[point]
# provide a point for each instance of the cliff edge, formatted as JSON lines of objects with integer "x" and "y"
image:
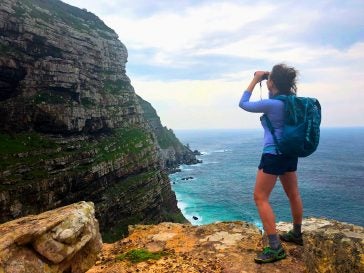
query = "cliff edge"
{"x": 230, "y": 247}
{"x": 67, "y": 240}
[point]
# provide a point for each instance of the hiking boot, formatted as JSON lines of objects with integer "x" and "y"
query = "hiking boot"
{"x": 290, "y": 236}
{"x": 270, "y": 255}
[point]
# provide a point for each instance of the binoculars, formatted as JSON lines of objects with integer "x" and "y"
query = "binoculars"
{"x": 264, "y": 77}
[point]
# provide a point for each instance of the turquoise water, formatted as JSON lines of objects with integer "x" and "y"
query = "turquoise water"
{"x": 331, "y": 180}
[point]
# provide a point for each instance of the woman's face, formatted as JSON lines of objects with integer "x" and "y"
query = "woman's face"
{"x": 271, "y": 87}
{"x": 269, "y": 84}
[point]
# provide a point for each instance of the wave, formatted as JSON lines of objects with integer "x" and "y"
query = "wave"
{"x": 212, "y": 162}
{"x": 222, "y": 151}
{"x": 191, "y": 217}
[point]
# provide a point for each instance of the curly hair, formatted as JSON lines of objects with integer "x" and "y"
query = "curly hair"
{"x": 284, "y": 78}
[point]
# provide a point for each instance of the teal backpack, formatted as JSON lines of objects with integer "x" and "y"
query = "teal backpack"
{"x": 301, "y": 130}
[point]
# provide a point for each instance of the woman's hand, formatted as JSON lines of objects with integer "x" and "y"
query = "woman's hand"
{"x": 258, "y": 77}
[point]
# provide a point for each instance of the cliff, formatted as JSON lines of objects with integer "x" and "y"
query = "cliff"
{"x": 71, "y": 125}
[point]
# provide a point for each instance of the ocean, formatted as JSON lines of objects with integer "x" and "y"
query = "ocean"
{"x": 331, "y": 180}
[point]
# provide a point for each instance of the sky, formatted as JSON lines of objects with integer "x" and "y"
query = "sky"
{"x": 192, "y": 60}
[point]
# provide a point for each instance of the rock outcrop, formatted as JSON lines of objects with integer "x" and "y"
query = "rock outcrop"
{"x": 216, "y": 248}
{"x": 335, "y": 248}
{"x": 63, "y": 240}
{"x": 71, "y": 125}
{"x": 230, "y": 247}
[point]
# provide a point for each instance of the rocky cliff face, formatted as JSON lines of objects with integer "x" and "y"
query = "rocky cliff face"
{"x": 72, "y": 127}
{"x": 174, "y": 153}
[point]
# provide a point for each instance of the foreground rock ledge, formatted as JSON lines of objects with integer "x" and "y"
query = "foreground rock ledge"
{"x": 221, "y": 247}
{"x": 330, "y": 247}
{"x": 61, "y": 240}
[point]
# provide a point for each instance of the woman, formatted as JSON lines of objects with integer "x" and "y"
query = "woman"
{"x": 281, "y": 81}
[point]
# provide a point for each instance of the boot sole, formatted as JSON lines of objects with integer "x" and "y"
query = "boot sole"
{"x": 275, "y": 259}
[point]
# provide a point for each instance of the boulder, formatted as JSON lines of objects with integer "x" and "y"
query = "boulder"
{"x": 66, "y": 239}
{"x": 336, "y": 248}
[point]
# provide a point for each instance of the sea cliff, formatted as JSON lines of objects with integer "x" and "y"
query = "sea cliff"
{"x": 71, "y": 125}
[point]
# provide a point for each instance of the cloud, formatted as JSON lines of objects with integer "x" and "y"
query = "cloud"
{"x": 193, "y": 59}
{"x": 184, "y": 29}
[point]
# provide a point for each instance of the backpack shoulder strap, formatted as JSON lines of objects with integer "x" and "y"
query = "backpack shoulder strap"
{"x": 271, "y": 129}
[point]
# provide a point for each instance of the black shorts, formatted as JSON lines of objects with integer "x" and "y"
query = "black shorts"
{"x": 277, "y": 164}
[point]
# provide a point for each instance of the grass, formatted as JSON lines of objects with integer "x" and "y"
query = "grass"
{"x": 132, "y": 183}
{"x": 80, "y": 20}
{"x": 122, "y": 141}
{"x": 175, "y": 218}
{"x": 120, "y": 229}
{"x": 19, "y": 11}
{"x": 50, "y": 97}
{"x": 115, "y": 87}
{"x": 23, "y": 142}
{"x": 88, "y": 102}
{"x": 166, "y": 138}
{"x": 31, "y": 150}
{"x": 6, "y": 50}
{"x": 141, "y": 255}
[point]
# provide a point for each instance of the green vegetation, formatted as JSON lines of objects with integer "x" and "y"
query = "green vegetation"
{"x": 24, "y": 155}
{"x": 50, "y": 98}
{"x": 19, "y": 11}
{"x": 141, "y": 255}
{"x": 11, "y": 148}
{"x": 121, "y": 141}
{"x": 88, "y": 102}
{"x": 120, "y": 230}
{"x": 166, "y": 138}
{"x": 81, "y": 20}
{"x": 6, "y": 50}
{"x": 115, "y": 87}
{"x": 36, "y": 13}
{"x": 131, "y": 183}
{"x": 23, "y": 142}
{"x": 175, "y": 218}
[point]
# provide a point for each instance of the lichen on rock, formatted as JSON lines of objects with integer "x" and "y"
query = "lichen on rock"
{"x": 230, "y": 247}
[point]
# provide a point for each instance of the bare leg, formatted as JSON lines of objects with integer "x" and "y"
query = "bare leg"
{"x": 290, "y": 186}
{"x": 263, "y": 187}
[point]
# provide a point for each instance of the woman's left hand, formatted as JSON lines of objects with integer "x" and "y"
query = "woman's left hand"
{"x": 258, "y": 75}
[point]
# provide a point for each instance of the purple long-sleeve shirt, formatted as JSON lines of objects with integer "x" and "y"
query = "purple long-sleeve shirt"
{"x": 274, "y": 109}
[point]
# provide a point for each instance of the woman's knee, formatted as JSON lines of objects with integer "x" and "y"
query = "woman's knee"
{"x": 260, "y": 198}
{"x": 294, "y": 196}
